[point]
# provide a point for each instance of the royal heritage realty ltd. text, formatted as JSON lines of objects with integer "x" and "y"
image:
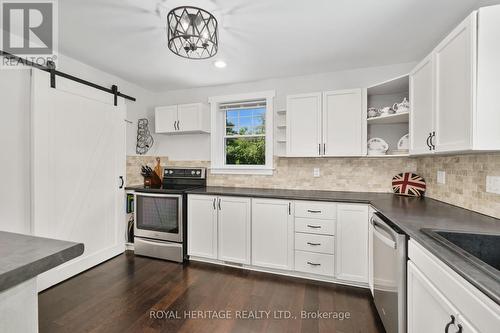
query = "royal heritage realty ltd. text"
{"x": 247, "y": 314}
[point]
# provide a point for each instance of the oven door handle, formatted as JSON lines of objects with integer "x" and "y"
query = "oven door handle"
{"x": 153, "y": 242}
{"x": 157, "y": 195}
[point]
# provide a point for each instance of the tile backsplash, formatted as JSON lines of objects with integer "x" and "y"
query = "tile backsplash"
{"x": 336, "y": 174}
{"x": 465, "y": 180}
{"x": 465, "y": 184}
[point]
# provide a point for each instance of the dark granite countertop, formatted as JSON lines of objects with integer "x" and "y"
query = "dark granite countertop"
{"x": 410, "y": 215}
{"x": 23, "y": 257}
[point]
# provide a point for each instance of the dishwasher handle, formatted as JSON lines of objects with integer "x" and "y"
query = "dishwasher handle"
{"x": 379, "y": 225}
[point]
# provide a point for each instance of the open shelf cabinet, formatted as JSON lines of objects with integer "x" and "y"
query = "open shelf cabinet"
{"x": 391, "y": 128}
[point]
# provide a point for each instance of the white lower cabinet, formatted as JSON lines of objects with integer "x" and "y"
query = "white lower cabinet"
{"x": 438, "y": 298}
{"x": 219, "y": 228}
{"x": 202, "y": 226}
{"x": 326, "y": 239}
{"x": 272, "y": 233}
{"x": 314, "y": 263}
{"x": 351, "y": 256}
{"x": 314, "y": 243}
{"x": 234, "y": 229}
{"x": 428, "y": 309}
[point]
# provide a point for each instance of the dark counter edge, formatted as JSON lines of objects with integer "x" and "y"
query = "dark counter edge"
{"x": 379, "y": 202}
{"x": 24, "y": 273}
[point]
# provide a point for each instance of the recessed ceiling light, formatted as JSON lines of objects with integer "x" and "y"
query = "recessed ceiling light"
{"x": 220, "y": 64}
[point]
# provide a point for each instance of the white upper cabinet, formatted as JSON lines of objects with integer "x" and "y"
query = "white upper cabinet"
{"x": 422, "y": 107}
{"x": 342, "y": 123}
{"x": 487, "y": 118}
{"x": 234, "y": 229}
{"x": 351, "y": 257}
{"x": 325, "y": 124}
{"x": 166, "y": 119}
{"x": 183, "y": 118}
{"x": 455, "y": 59}
{"x": 272, "y": 233}
{"x": 454, "y": 91}
{"x": 303, "y": 121}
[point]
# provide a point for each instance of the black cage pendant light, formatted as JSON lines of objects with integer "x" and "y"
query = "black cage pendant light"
{"x": 192, "y": 33}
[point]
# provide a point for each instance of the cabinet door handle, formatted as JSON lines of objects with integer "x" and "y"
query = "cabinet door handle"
{"x": 428, "y": 140}
{"x": 324, "y": 148}
{"x": 452, "y": 322}
{"x": 313, "y": 264}
{"x": 214, "y": 203}
{"x": 314, "y": 226}
{"x": 122, "y": 182}
{"x": 433, "y": 136}
{"x": 319, "y": 148}
{"x": 313, "y": 244}
{"x": 289, "y": 208}
{"x": 219, "y": 203}
{"x": 313, "y": 211}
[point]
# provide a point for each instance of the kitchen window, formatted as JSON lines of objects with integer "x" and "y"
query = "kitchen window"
{"x": 242, "y": 133}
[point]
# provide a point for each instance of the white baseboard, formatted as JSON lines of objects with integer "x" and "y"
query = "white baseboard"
{"x": 282, "y": 272}
{"x": 76, "y": 266}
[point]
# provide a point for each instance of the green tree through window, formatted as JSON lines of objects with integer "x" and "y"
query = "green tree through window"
{"x": 245, "y": 141}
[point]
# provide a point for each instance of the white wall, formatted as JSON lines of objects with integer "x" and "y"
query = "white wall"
{"x": 15, "y": 142}
{"x": 15, "y": 134}
{"x": 197, "y": 147}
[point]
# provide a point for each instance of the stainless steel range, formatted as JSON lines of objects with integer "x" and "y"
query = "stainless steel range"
{"x": 160, "y": 214}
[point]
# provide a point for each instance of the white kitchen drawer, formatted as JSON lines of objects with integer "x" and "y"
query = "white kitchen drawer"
{"x": 315, "y": 226}
{"x": 314, "y": 263}
{"x": 314, "y": 243}
{"x": 316, "y": 210}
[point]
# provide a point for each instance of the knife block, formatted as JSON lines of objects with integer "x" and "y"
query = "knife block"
{"x": 153, "y": 181}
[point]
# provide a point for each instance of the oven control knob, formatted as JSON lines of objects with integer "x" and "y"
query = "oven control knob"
{"x": 170, "y": 171}
{"x": 193, "y": 172}
{"x": 198, "y": 172}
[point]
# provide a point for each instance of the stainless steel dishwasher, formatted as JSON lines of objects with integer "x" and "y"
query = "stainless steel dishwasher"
{"x": 389, "y": 274}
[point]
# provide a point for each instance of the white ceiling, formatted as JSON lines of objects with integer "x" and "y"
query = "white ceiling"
{"x": 258, "y": 38}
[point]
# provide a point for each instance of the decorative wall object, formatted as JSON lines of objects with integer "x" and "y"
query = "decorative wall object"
{"x": 408, "y": 184}
{"x": 144, "y": 139}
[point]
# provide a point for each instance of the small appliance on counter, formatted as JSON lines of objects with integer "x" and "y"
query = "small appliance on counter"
{"x": 160, "y": 214}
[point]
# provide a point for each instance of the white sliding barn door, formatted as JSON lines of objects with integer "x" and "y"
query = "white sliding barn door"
{"x": 78, "y": 156}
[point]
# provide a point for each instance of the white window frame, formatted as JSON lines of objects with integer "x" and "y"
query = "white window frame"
{"x": 218, "y": 163}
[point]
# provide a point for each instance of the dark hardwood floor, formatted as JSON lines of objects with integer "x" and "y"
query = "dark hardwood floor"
{"x": 120, "y": 294}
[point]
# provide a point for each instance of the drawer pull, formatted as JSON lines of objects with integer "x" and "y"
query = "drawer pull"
{"x": 313, "y": 211}
{"x": 314, "y": 226}
{"x": 313, "y": 244}
{"x": 313, "y": 264}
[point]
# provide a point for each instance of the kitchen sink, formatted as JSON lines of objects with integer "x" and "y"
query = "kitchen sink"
{"x": 482, "y": 250}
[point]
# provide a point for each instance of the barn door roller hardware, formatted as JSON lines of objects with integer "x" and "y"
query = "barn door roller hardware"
{"x": 51, "y": 68}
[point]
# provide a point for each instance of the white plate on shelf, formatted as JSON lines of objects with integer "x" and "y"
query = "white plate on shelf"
{"x": 379, "y": 145}
{"x": 404, "y": 142}
{"x": 376, "y": 152}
